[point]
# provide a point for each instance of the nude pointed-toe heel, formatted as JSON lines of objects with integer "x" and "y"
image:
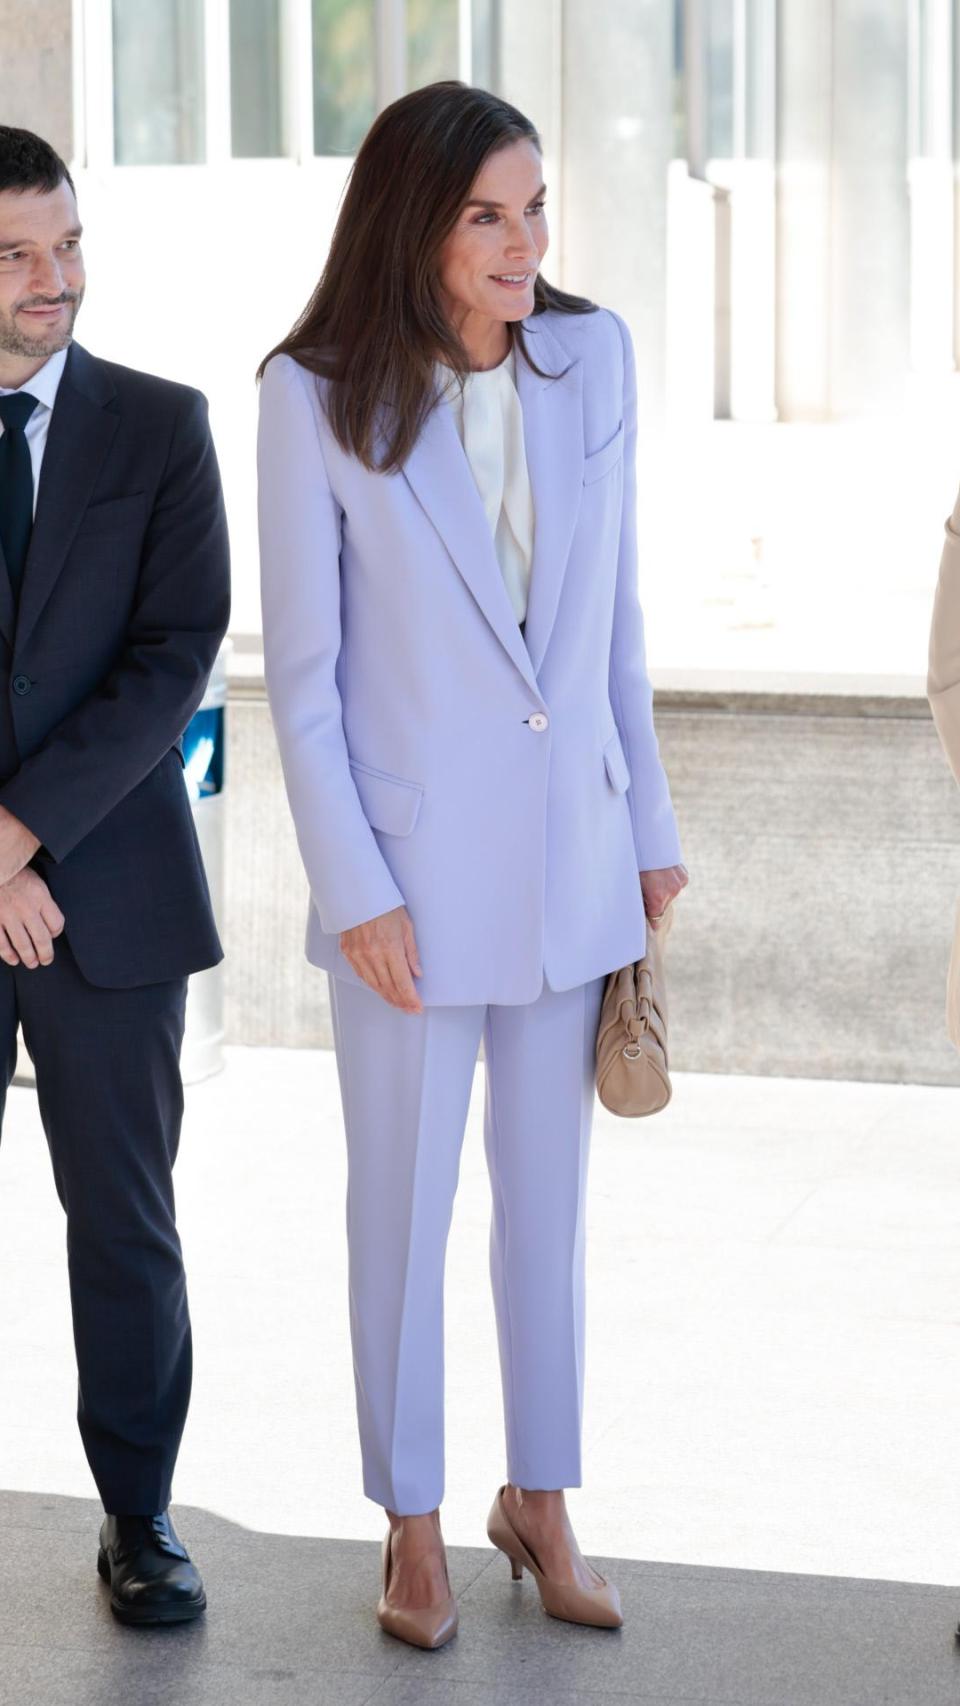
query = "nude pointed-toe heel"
{"x": 598, "y": 1608}
{"x": 430, "y": 1626}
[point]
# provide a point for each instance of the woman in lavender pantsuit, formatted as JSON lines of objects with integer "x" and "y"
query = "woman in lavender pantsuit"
{"x": 455, "y": 665}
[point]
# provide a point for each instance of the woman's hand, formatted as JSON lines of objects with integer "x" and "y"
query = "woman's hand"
{"x": 383, "y": 952}
{"x": 659, "y": 889}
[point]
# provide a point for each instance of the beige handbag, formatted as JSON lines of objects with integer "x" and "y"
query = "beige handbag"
{"x": 632, "y": 1072}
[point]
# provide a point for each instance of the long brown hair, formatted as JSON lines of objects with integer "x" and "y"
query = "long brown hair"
{"x": 375, "y": 324}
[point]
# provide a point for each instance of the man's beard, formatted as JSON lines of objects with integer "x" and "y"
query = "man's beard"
{"x": 15, "y": 342}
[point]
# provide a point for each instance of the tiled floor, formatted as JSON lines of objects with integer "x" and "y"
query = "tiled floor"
{"x": 772, "y": 1415}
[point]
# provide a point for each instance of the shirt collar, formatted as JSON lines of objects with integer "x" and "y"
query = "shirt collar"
{"x": 44, "y": 383}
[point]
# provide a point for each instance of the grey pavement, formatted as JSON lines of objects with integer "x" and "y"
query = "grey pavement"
{"x": 773, "y": 1395}
{"x": 289, "y": 1625}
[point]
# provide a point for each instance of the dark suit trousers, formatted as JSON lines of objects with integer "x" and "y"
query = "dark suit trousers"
{"x": 108, "y": 1083}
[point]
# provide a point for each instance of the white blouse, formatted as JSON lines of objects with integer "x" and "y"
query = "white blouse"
{"x": 489, "y": 420}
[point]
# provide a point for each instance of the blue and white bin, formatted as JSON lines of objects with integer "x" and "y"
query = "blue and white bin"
{"x": 203, "y": 772}
{"x": 204, "y": 754}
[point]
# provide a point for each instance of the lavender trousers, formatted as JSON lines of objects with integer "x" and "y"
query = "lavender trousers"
{"x": 405, "y": 1081}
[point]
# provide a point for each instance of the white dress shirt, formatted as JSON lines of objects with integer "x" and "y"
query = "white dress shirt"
{"x": 43, "y": 386}
{"x": 489, "y": 420}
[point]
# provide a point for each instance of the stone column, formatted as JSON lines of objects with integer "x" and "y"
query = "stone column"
{"x": 36, "y": 69}
{"x": 598, "y": 83}
{"x": 842, "y": 207}
{"x": 805, "y": 99}
{"x": 871, "y": 210}
{"x": 523, "y": 59}
{"x": 932, "y": 188}
{"x": 617, "y": 86}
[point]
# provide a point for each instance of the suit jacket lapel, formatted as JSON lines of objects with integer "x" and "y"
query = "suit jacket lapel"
{"x": 80, "y": 434}
{"x": 7, "y": 613}
{"x": 553, "y": 440}
{"x": 439, "y": 474}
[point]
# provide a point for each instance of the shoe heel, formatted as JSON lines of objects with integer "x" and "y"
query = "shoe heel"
{"x": 103, "y": 1568}
{"x": 516, "y": 1569}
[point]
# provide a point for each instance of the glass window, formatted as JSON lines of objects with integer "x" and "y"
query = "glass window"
{"x": 344, "y": 74}
{"x": 760, "y": 95}
{"x": 433, "y": 41}
{"x": 934, "y": 109}
{"x": 256, "y": 97}
{"x": 724, "y": 80}
{"x": 679, "y": 94}
{"x": 158, "y": 82}
{"x": 720, "y": 138}
{"x": 485, "y": 43}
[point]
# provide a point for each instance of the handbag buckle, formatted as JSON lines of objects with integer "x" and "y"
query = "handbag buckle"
{"x": 632, "y": 1051}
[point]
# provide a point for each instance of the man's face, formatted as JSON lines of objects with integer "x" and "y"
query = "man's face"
{"x": 41, "y": 270}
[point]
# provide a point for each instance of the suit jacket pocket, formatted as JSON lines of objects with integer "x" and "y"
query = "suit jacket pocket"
{"x": 616, "y": 765}
{"x": 389, "y": 803}
{"x": 601, "y": 462}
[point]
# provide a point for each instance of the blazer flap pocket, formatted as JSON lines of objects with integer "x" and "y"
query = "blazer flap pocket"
{"x": 600, "y": 463}
{"x": 389, "y": 803}
{"x": 616, "y": 765}
{"x": 113, "y": 515}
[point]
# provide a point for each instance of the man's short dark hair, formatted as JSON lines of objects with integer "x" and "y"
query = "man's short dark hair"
{"x": 29, "y": 163}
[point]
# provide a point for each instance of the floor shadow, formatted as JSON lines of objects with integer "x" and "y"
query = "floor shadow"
{"x": 290, "y": 1623}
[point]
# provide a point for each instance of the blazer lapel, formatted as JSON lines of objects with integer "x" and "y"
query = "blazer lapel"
{"x": 439, "y": 474}
{"x": 80, "y": 434}
{"x": 553, "y": 440}
{"x": 7, "y": 613}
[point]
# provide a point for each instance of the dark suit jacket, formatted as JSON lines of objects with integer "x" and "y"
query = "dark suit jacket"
{"x": 124, "y": 602}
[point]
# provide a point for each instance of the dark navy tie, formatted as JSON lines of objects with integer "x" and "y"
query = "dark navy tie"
{"x": 16, "y": 484}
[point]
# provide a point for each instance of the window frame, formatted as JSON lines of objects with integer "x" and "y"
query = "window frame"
{"x": 753, "y": 82}
{"x": 94, "y": 141}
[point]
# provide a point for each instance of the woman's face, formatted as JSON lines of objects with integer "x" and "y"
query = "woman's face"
{"x": 489, "y": 262}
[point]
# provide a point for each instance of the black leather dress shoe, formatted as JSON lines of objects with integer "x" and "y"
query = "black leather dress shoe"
{"x": 149, "y": 1571}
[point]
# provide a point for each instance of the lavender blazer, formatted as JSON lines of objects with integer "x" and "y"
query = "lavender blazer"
{"x": 505, "y": 786}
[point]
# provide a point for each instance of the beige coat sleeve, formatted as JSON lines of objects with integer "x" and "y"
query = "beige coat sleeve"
{"x": 943, "y": 692}
{"x": 943, "y": 679}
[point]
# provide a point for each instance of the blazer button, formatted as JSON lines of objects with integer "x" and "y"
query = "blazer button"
{"x": 22, "y": 684}
{"x": 538, "y": 721}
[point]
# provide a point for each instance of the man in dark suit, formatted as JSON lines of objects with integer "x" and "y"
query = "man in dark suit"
{"x": 114, "y": 598}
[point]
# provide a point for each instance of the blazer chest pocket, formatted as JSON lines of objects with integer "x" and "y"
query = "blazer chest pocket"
{"x": 616, "y": 765}
{"x": 389, "y": 803}
{"x": 601, "y": 462}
